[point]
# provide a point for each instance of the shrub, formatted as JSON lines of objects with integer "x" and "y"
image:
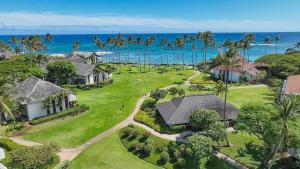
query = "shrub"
{"x": 162, "y": 148}
{"x": 144, "y": 118}
{"x": 14, "y": 128}
{"x": 146, "y": 134}
{"x": 55, "y": 147}
{"x": 147, "y": 150}
{"x": 148, "y": 104}
{"x": 134, "y": 132}
{"x": 127, "y": 131}
{"x": 68, "y": 112}
{"x": 178, "y": 128}
{"x": 64, "y": 165}
{"x": 37, "y": 157}
{"x": 176, "y": 154}
{"x": 181, "y": 162}
{"x": 135, "y": 145}
{"x": 182, "y": 149}
{"x": 164, "y": 157}
{"x": 149, "y": 141}
{"x": 130, "y": 125}
{"x": 8, "y": 144}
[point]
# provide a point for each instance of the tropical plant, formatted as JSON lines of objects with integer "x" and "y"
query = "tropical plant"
{"x": 207, "y": 39}
{"x": 220, "y": 88}
{"x": 158, "y": 94}
{"x": 266, "y": 42}
{"x": 60, "y": 72}
{"x": 277, "y": 39}
{"x": 288, "y": 107}
{"x": 201, "y": 146}
{"x": 202, "y": 119}
{"x": 227, "y": 59}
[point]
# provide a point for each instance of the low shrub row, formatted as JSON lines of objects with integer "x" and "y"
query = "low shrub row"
{"x": 8, "y": 144}
{"x": 37, "y": 157}
{"x": 68, "y": 112}
{"x": 95, "y": 85}
{"x": 155, "y": 122}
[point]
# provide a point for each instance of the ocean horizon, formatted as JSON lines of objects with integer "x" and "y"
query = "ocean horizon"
{"x": 62, "y": 44}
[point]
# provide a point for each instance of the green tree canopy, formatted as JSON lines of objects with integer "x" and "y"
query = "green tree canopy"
{"x": 202, "y": 119}
{"x": 60, "y": 71}
{"x": 200, "y": 145}
{"x": 158, "y": 94}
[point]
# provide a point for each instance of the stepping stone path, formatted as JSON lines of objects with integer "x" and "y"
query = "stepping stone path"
{"x": 2, "y": 156}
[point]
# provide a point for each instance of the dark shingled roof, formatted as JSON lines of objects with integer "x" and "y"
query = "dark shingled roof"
{"x": 34, "y": 89}
{"x": 84, "y": 69}
{"x": 178, "y": 110}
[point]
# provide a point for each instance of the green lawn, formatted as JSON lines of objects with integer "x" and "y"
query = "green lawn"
{"x": 242, "y": 96}
{"x": 109, "y": 153}
{"x": 105, "y": 104}
{"x": 245, "y": 149}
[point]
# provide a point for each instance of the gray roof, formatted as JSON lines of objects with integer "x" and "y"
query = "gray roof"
{"x": 34, "y": 89}
{"x": 84, "y": 69}
{"x": 178, "y": 110}
{"x": 81, "y": 56}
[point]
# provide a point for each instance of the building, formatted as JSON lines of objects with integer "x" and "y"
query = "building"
{"x": 86, "y": 74}
{"x": 6, "y": 54}
{"x": 84, "y": 57}
{"x": 32, "y": 93}
{"x": 292, "y": 85}
{"x": 242, "y": 68}
{"x": 178, "y": 110}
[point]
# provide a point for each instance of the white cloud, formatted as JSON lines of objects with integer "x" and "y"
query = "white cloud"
{"x": 18, "y": 21}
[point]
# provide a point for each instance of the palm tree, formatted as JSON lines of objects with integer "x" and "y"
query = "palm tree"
{"x": 277, "y": 39}
{"x": 4, "y": 109}
{"x": 109, "y": 43}
{"x": 194, "y": 48}
{"x": 152, "y": 41}
{"x": 139, "y": 42}
{"x": 100, "y": 45}
{"x": 75, "y": 46}
{"x": 179, "y": 42}
{"x": 288, "y": 107}
{"x": 266, "y": 42}
{"x": 226, "y": 44}
{"x": 169, "y": 46}
{"x": 227, "y": 59}
{"x": 130, "y": 42}
{"x": 5, "y": 90}
{"x": 220, "y": 88}
{"x": 207, "y": 39}
{"x": 162, "y": 44}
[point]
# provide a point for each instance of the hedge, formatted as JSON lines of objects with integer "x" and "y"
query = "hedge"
{"x": 68, "y": 112}
{"x": 8, "y": 144}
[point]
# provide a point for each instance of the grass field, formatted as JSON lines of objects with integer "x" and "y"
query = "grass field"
{"x": 109, "y": 153}
{"x": 105, "y": 107}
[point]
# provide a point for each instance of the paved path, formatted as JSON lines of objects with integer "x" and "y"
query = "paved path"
{"x": 247, "y": 86}
{"x": 71, "y": 153}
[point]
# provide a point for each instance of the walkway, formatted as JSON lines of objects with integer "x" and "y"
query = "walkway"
{"x": 71, "y": 153}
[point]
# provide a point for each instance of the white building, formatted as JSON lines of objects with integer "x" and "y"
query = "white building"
{"x": 86, "y": 74}
{"x": 240, "y": 69}
{"x": 32, "y": 93}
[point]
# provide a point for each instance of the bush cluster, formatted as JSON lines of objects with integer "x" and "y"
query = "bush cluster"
{"x": 37, "y": 157}
{"x": 95, "y": 85}
{"x": 68, "y": 112}
{"x": 8, "y": 144}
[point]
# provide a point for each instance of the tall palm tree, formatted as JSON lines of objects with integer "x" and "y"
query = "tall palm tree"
{"x": 194, "y": 48}
{"x": 207, "y": 39}
{"x": 162, "y": 44}
{"x": 100, "y": 45}
{"x": 139, "y": 43}
{"x": 109, "y": 44}
{"x": 179, "y": 42}
{"x": 266, "y": 42}
{"x": 226, "y": 44}
{"x": 288, "y": 107}
{"x": 169, "y": 47}
{"x": 250, "y": 39}
{"x": 147, "y": 43}
{"x": 228, "y": 59}
{"x": 5, "y": 90}
{"x": 277, "y": 39}
{"x": 131, "y": 43}
{"x": 152, "y": 41}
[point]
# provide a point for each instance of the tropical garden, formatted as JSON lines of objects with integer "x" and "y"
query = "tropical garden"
{"x": 264, "y": 131}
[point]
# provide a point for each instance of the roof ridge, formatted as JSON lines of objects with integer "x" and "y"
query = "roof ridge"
{"x": 38, "y": 80}
{"x": 176, "y": 109}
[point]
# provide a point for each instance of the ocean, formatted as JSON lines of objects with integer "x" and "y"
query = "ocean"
{"x": 62, "y": 44}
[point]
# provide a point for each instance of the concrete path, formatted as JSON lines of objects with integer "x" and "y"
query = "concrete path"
{"x": 248, "y": 86}
{"x": 71, "y": 153}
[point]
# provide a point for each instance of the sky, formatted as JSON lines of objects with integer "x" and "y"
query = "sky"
{"x": 147, "y": 16}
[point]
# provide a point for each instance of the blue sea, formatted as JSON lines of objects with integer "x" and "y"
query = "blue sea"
{"x": 63, "y": 44}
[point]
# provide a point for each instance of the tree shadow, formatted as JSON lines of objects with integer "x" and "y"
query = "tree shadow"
{"x": 254, "y": 150}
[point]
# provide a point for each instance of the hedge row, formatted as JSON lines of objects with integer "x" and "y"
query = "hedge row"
{"x": 8, "y": 144}
{"x": 96, "y": 85}
{"x": 68, "y": 112}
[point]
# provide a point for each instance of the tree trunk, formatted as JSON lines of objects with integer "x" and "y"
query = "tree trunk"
{"x": 282, "y": 136}
{"x": 225, "y": 99}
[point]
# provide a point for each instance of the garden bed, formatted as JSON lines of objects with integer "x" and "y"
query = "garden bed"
{"x": 163, "y": 153}
{"x": 68, "y": 112}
